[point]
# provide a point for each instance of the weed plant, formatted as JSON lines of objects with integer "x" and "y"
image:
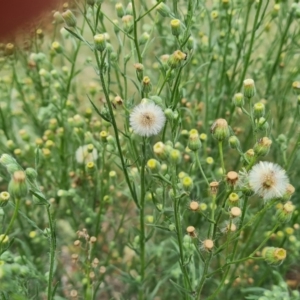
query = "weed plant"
{"x": 150, "y": 150}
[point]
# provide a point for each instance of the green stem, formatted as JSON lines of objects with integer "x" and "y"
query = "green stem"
{"x": 220, "y": 144}
{"x": 52, "y": 243}
{"x": 11, "y": 223}
{"x": 200, "y": 167}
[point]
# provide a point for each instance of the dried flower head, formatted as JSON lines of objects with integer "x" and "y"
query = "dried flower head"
{"x": 268, "y": 180}
{"x": 147, "y": 119}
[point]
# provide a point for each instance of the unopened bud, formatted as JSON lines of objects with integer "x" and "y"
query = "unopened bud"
{"x": 274, "y": 256}
{"x": 194, "y": 142}
{"x": 160, "y": 150}
{"x": 146, "y": 85}
{"x": 127, "y": 21}
{"x": 100, "y": 42}
{"x": 17, "y": 186}
{"x": 120, "y": 10}
{"x": 249, "y": 88}
{"x": 220, "y": 129}
{"x": 233, "y": 199}
{"x": 175, "y": 156}
{"x": 69, "y": 18}
{"x": 187, "y": 183}
{"x": 284, "y": 213}
{"x": 258, "y": 110}
{"x": 238, "y": 100}
{"x": 163, "y": 9}
{"x": 144, "y": 38}
{"x": 176, "y": 59}
{"x": 262, "y": 146}
{"x": 4, "y": 197}
{"x": 234, "y": 142}
{"x": 176, "y": 27}
{"x": 153, "y": 165}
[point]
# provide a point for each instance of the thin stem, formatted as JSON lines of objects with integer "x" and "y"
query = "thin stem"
{"x": 220, "y": 145}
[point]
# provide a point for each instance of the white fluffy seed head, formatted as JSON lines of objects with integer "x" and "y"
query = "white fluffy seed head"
{"x": 268, "y": 180}
{"x": 147, "y": 119}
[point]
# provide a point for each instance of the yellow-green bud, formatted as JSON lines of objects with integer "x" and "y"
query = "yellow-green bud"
{"x": 194, "y": 142}
{"x": 274, "y": 256}
{"x": 160, "y": 151}
{"x": 175, "y": 27}
{"x": 233, "y": 199}
{"x": 175, "y": 156}
{"x": 238, "y": 100}
{"x": 296, "y": 87}
{"x": 100, "y": 42}
{"x": 285, "y": 212}
{"x": 103, "y": 136}
{"x": 249, "y": 88}
{"x": 120, "y": 10}
{"x": 90, "y": 167}
{"x": 258, "y": 110}
{"x": 234, "y": 142}
{"x": 146, "y": 85}
{"x": 190, "y": 43}
{"x": 129, "y": 10}
{"x": 153, "y": 165}
{"x": 56, "y": 46}
{"x": 262, "y": 146}
{"x": 17, "y": 186}
{"x": 163, "y": 9}
{"x": 4, "y": 239}
{"x": 187, "y": 183}
{"x": 290, "y": 190}
{"x": 220, "y": 130}
{"x": 4, "y": 197}
{"x": 176, "y": 59}
{"x": 69, "y": 18}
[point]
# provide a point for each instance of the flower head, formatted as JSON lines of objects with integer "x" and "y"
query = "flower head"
{"x": 268, "y": 180}
{"x": 147, "y": 119}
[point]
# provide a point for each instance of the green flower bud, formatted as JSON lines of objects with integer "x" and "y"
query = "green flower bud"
{"x": 234, "y": 142}
{"x": 176, "y": 59}
{"x": 274, "y": 256}
{"x": 90, "y": 168}
{"x": 187, "y": 183}
{"x": 175, "y": 27}
{"x": 163, "y": 9}
{"x": 146, "y": 85}
{"x": 17, "y": 186}
{"x": 160, "y": 150}
{"x": 6, "y": 159}
{"x": 262, "y": 146}
{"x": 233, "y": 199}
{"x": 127, "y": 21}
{"x": 4, "y": 197}
{"x": 190, "y": 43}
{"x": 56, "y": 46}
{"x": 258, "y": 110}
{"x": 194, "y": 142}
{"x": 175, "y": 156}
{"x": 31, "y": 174}
{"x": 262, "y": 124}
{"x": 220, "y": 130}
{"x": 120, "y": 10}
{"x": 153, "y": 165}
{"x": 69, "y": 18}
{"x": 249, "y": 88}
{"x": 128, "y": 10}
{"x": 285, "y": 212}
{"x": 144, "y": 38}
{"x": 100, "y": 42}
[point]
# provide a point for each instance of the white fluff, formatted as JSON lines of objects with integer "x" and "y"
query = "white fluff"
{"x": 147, "y": 119}
{"x": 83, "y": 156}
{"x": 268, "y": 180}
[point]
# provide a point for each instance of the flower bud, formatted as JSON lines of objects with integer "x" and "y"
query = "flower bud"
{"x": 187, "y": 183}
{"x": 17, "y": 186}
{"x": 249, "y": 88}
{"x": 274, "y": 256}
{"x": 290, "y": 190}
{"x": 144, "y": 38}
{"x": 31, "y": 174}
{"x": 120, "y": 10}
{"x": 4, "y": 197}
{"x": 153, "y": 165}
{"x": 296, "y": 87}
{"x": 128, "y": 10}
{"x": 190, "y": 43}
{"x": 176, "y": 59}
{"x": 160, "y": 151}
{"x": 238, "y": 100}
{"x": 175, "y": 156}
{"x": 175, "y": 27}
{"x": 194, "y": 142}
{"x": 6, "y": 159}
{"x": 234, "y": 142}
{"x": 258, "y": 110}
{"x": 220, "y": 129}
{"x": 163, "y": 9}
{"x": 262, "y": 146}
{"x": 100, "y": 42}
{"x": 146, "y": 85}
{"x": 233, "y": 199}
{"x": 90, "y": 167}
{"x": 127, "y": 21}
{"x": 284, "y": 213}
{"x": 56, "y": 46}
{"x": 4, "y": 239}
{"x": 262, "y": 124}
{"x": 69, "y": 18}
